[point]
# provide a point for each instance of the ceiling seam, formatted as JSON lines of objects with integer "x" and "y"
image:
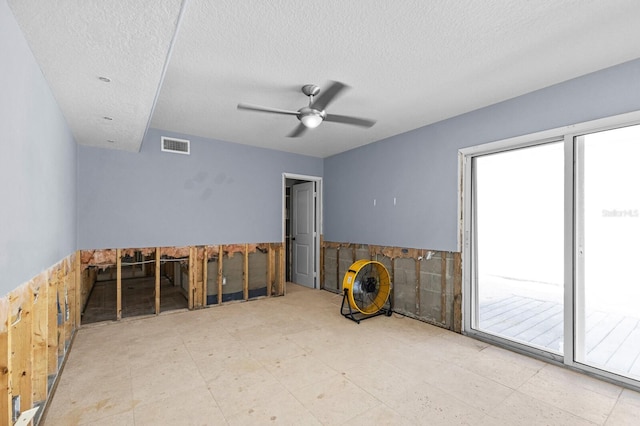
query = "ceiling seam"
{"x": 183, "y": 8}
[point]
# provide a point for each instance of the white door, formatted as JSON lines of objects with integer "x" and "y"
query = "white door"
{"x": 303, "y": 234}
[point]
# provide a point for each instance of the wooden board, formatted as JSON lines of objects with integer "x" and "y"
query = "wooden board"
{"x": 52, "y": 325}
{"x": 245, "y": 273}
{"x": 220, "y": 272}
{"x": 40, "y": 330}
{"x": 156, "y": 294}
{"x": 22, "y": 347}
{"x": 205, "y": 276}
{"x": 457, "y": 292}
{"x": 69, "y": 301}
{"x": 443, "y": 287}
{"x": 77, "y": 269}
{"x": 282, "y": 274}
{"x": 118, "y": 284}
{"x": 62, "y": 337}
{"x": 192, "y": 276}
{"x": 5, "y": 368}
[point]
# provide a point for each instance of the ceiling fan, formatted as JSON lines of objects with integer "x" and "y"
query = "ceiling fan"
{"x": 311, "y": 116}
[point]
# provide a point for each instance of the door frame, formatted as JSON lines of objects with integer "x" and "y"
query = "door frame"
{"x": 317, "y": 217}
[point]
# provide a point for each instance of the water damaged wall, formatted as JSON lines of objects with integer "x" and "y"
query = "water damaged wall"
{"x": 425, "y": 284}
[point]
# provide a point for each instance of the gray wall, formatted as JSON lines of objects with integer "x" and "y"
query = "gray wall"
{"x": 37, "y": 166}
{"x": 222, "y": 193}
{"x": 420, "y": 168}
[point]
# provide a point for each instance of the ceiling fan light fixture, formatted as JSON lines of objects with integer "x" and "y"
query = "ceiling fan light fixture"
{"x": 311, "y": 118}
{"x": 311, "y": 121}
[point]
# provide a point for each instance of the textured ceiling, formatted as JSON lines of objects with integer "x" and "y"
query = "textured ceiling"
{"x": 409, "y": 63}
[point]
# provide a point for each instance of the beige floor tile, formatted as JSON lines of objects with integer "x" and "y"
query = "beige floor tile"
{"x": 122, "y": 419}
{"x": 519, "y": 409}
{"x": 385, "y": 382}
{"x": 235, "y": 392}
{"x": 336, "y": 400}
{"x": 579, "y": 380}
{"x": 627, "y": 409}
{"x": 161, "y": 380}
{"x": 170, "y": 355}
{"x": 300, "y": 371}
{"x": 212, "y": 368}
{"x": 458, "y": 349}
{"x": 278, "y": 409}
{"x": 99, "y": 405}
{"x": 280, "y": 348}
{"x": 196, "y": 407}
{"x": 380, "y": 415}
{"x": 424, "y": 363}
{"x": 494, "y": 365}
{"x": 475, "y": 390}
{"x": 572, "y": 393}
{"x": 428, "y": 405}
{"x": 220, "y": 349}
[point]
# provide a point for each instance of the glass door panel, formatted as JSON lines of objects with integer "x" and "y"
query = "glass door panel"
{"x": 518, "y": 245}
{"x": 608, "y": 251}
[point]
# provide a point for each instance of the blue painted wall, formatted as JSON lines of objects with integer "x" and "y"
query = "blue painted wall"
{"x": 420, "y": 168}
{"x": 57, "y": 197}
{"x": 37, "y": 166}
{"x": 223, "y": 193}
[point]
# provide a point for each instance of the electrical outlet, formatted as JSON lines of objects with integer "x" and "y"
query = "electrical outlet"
{"x": 224, "y": 280}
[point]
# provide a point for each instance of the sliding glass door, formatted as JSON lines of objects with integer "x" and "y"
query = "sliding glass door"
{"x": 551, "y": 245}
{"x": 518, "y": 200}
{"x": 608, "y": 251}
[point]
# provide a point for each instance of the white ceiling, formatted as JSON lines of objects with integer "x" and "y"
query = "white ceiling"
{"x": 409, "y": 63}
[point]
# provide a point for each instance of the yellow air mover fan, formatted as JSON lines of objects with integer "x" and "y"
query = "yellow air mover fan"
{"x": 367, "y": 287}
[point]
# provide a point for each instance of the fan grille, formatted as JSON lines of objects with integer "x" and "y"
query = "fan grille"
{"x": 368, "y": 286}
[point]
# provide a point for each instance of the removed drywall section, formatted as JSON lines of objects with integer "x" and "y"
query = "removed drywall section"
{"x": 213, "y": 267}
{"x": 330, "y": 275}
{"x": 257, "y": 271}
{"x": 426, "y": 284}
{"x": 37, "y": 322}
{"x": 233, "y": 273}
{"x": 206, "y": 275}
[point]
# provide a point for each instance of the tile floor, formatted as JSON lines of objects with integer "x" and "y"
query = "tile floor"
{"x": 295, "y": 360}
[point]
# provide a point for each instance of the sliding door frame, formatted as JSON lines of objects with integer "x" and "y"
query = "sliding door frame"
{"x": 567, "y": 135}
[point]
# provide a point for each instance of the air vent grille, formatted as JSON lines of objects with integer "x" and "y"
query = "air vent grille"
{"x": 177, "y": 146}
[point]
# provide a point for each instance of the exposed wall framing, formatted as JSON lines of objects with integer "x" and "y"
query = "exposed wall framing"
{"x": 426, "y": 284}
{"x": 215, "y": 273}
{"x": 37, "y": 323}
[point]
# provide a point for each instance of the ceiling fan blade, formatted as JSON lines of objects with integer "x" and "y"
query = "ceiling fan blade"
{"x": 266, "y": 109}
{"x": 298, "y": 131}
{"x": 327, "y": 95}
{"x": 346, "y": 119}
